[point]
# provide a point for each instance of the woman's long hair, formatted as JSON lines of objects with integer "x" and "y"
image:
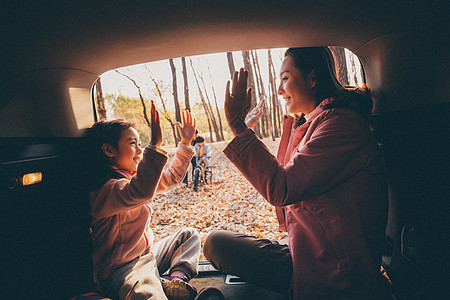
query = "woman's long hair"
{"x": 98, "y": 164}
{"x": 320, "y": 59}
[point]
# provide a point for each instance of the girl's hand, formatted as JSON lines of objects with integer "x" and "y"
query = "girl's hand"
{"x": 187, "y": 127}
{"x": 156, "y": 139}
{"x": 253, "y": 117}
{"x": 237, "y": 103}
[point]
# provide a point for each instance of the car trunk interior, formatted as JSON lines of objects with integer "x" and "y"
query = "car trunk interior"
{"x": 46, "y": 252}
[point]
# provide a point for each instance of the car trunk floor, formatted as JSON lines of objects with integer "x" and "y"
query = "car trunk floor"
{"x": 231, "y": 287}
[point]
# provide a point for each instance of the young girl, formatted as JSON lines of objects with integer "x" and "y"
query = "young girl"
{"x": 125, "y": 177}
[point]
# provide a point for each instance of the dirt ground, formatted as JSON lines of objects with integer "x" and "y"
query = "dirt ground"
{"x": 229, "y": 203}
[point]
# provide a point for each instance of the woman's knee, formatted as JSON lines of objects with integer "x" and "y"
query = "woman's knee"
{"x": 216, "y": 243}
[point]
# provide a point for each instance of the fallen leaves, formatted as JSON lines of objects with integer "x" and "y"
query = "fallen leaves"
{"x": 228, "y": 203}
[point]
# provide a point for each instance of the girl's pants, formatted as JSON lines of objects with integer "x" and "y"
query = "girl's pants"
{"x": 141, "y": 276}
{"x": 259, "y": 261}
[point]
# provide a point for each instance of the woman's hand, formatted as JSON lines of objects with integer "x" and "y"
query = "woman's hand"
{"x": 253, "y": 117}
{"x": 187, "y": 127}
{"x": 237, "y": 103}
{"x": 156, "y": 139}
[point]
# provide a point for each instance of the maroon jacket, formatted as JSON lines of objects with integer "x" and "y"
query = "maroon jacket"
{"x": 329, "y": 184}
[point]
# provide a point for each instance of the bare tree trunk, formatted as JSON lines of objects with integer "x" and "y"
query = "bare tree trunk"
{"x": 101, "y": 108}
{"x": 231, "y": 63}
{"x": 272, "y": 110}
{"x": 210, "y": 110}
{"x": 354, "y": 72}
{"x": 266, "y": 123}
{"x": 217, "y": 107}
{"x": 280, "y": 111}
{"x": 205, "y": 106}
{"x": 144, "y": 108}
{"x": 251, "y": 81}
{"x": 258, "y": 88}
{"x": 187, "y": 104}
{"x": 274, "y": 97}
{"x": 340, "y": 64}
{"x": 164, "y": 112}
{"x": 175, "y": 96}
{"x": 251, "y": 84}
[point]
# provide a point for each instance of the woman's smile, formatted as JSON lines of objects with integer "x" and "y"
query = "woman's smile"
{"x": 296, "y": 88}
{"x": 287, "y": 100}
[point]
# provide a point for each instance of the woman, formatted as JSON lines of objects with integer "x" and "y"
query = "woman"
{"x": 327, "y": 183}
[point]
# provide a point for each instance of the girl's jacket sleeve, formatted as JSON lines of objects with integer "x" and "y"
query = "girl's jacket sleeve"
{"x": 175, "y": 173}
{"x": 334, "y": 151}
{"x": 119, "y": 195}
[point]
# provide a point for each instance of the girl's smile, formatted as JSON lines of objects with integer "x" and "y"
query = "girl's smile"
{"x": 129, "y": 152}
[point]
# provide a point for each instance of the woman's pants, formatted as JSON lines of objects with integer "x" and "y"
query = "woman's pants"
{"x": 259, "y": 261}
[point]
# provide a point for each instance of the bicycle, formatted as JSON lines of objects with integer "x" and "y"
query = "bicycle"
{"x": 201, "y": 174}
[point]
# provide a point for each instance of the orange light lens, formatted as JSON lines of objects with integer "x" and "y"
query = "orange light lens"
{"x": 31, "y": 178}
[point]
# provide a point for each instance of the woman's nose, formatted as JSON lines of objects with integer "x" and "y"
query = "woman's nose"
{"x": 139, "y": 150}
{"x": 280, "y": 89}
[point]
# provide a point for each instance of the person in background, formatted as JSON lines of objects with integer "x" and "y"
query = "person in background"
{"x": 202, "y": 152}
{"x": 327, "y": 183}
{"x": 193, "y": 159}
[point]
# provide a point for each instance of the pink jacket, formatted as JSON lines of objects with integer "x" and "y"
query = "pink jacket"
{"x": 328, "y": 182}
{"x": 121, "y": 211}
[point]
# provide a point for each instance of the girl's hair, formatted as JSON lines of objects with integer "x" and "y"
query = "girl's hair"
{"x": 320, "y": 59}
{"x": 99, "y": 165}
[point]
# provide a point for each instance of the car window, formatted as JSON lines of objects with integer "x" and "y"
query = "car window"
{"x": 199, "y": 87}
{"x": 197, "y": 84}
{"x": 348, "y": 67}
{"x": 82, "y": 110}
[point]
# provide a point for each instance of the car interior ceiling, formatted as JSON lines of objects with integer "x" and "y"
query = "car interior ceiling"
{"x": 406, "y": 63}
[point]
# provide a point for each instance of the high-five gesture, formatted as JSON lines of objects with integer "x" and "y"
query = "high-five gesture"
{"x": 187, "y": 127}
{"x": 253, "y": 117}
{"x": 237, "y": 102}
{"x": 156, "y": 139}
